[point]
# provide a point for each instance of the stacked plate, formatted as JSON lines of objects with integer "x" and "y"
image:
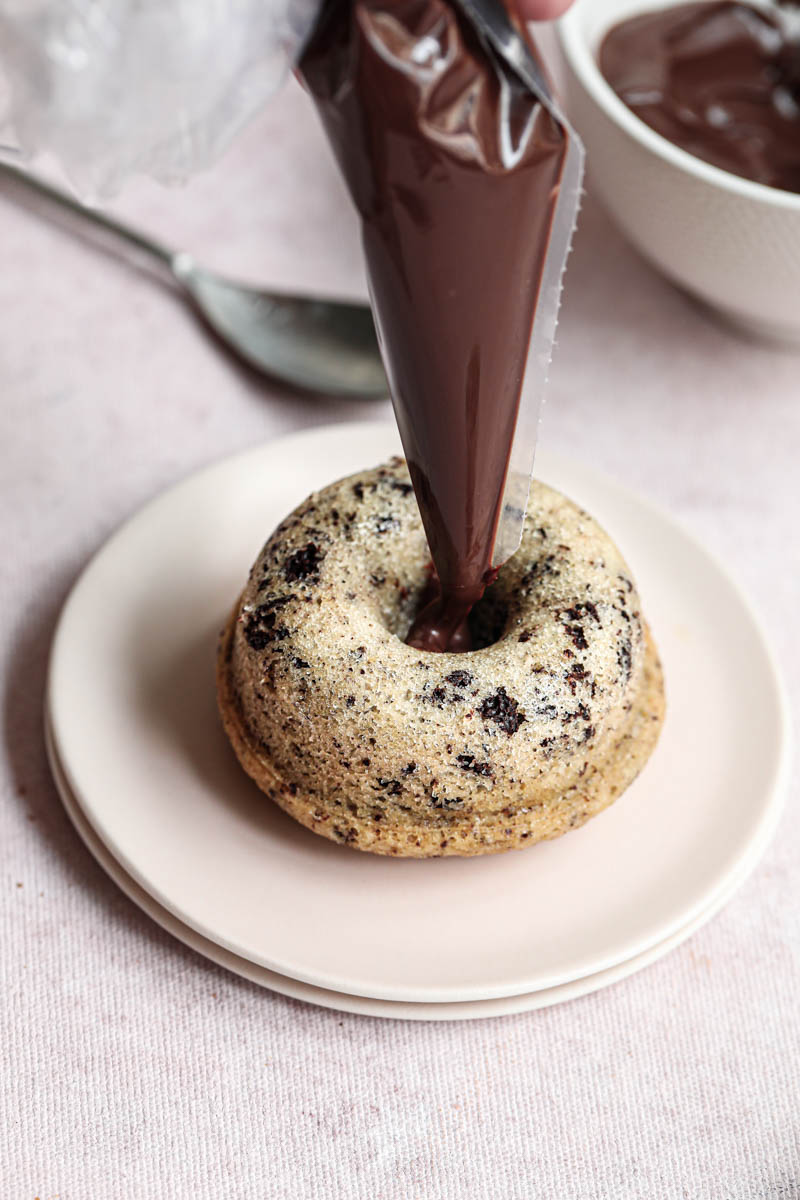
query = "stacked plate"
{"x": 148, "y": 778}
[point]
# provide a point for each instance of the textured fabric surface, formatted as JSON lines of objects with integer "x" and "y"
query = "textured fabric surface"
{"x": 134, "y": 1069}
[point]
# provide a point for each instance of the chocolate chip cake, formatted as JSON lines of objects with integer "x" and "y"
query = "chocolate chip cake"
{"x": 397, "y": 751}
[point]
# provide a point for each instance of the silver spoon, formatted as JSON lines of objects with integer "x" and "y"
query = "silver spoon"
{"x": 324, "y": 346}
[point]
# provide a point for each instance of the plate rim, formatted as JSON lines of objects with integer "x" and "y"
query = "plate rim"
{"x": 353, "y": 1003}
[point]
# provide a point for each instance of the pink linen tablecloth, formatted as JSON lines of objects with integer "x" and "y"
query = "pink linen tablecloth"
{"x": 134, "y": 1069}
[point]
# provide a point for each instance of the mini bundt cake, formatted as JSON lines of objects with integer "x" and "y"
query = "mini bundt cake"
{"x": 385, "y": 748}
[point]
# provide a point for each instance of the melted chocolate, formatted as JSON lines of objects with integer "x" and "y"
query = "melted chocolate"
{"x": 454, "y": 168}
{"x": 721, "y": 80}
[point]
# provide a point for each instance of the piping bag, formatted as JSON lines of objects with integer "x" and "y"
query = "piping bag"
{"x": 467, "y": 178}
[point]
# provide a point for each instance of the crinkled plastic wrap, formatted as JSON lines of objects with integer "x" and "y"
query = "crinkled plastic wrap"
{"x": 117, "y": 87}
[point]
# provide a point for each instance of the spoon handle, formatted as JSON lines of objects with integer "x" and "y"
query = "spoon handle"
{"x": 146, "y": 246}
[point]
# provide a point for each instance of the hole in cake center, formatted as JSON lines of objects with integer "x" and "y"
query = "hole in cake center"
{"x": 486, "y": 620}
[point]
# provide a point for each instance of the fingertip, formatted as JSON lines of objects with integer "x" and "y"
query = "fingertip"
{"x": 542, "y": 10}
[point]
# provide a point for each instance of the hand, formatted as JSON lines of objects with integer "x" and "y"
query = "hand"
{"x": 541, "y": 10}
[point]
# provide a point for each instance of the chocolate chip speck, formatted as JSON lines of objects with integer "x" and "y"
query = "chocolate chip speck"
{"x": 581, "y": 610}
{"x": 459, "y": 679}
{"x": 578, "y": 636}
{"x": 625, "y": 658}
{"x": 445, "y": 801}
{"x": 576, "y": 674}
{"x": 303, "y": 564}
{"x": 541, "y": 568}
{"x": 261, "y": 628}
{"x": 503, "y": 710}
{"x": 467, "y": 763}
{"x": 392, "y": 787}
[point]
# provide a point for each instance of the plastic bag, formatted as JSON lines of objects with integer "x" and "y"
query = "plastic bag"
{"x": 114, "y": 88}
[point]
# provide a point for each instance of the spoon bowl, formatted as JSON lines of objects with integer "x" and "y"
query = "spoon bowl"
{"x": 317, "y": 345}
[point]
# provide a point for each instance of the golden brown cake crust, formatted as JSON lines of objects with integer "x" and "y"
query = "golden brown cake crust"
{"x": 395, "y": 751}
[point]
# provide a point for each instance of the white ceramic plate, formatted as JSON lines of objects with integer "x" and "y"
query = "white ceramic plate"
{"x": 131, "y": 700}
{"x": 404, "y": 1010}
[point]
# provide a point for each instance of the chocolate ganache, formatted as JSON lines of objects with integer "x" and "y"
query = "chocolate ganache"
{"x": 721, "y": 80}
{"x": 454, "y": 168}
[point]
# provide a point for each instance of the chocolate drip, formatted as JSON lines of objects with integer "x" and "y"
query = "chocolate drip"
{"x": 721, "y": 80}
{"x": 454, "y": 168}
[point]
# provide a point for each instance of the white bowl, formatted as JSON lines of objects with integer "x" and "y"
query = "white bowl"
{"x": 732, "y": 243}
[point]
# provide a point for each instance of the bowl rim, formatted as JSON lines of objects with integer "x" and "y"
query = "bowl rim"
{"x": 581, "y": 60}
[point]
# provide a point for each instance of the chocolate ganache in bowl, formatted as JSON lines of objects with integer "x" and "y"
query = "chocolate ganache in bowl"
{"x": 691, "y": 118}
{"x": 720, "y": 79}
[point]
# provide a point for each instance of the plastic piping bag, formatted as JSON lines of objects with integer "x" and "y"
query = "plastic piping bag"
{"x": 467, "y": 180}
{"x": 491, "y": 21}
